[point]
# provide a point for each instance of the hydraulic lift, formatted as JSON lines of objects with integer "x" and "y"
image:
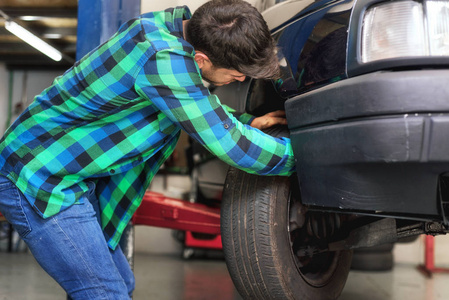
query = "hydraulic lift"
{"x": 193, "y": 218}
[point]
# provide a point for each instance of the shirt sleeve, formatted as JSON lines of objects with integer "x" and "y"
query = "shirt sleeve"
{"x": 245, "y": 118}
{"x": 171, "y": 81}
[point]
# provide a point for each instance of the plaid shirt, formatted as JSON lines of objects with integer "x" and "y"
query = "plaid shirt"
{"x": 115, "y": 117}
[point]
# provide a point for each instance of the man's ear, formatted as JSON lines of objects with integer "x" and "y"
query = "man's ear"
{"x": 201, "y": 59}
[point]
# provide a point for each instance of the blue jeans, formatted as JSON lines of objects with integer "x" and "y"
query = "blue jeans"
{"x": 70, "y": 246}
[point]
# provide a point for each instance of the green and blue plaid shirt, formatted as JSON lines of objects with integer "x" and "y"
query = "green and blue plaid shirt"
{"x": 115, "y": 117}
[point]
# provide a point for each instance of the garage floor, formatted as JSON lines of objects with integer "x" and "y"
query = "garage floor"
{"x": 168, "y": 277}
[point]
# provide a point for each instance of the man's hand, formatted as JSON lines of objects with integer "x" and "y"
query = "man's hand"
{"x": 270, "y": 119}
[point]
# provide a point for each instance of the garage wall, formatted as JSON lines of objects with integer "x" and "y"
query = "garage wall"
{"x": 3, "y": 96}
{"x": 151, "y": 5}
{"x": 26, "y": 85}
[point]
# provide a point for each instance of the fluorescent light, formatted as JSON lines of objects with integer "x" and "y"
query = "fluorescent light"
{"x": 33, "y": 40}
{"x": 52, "y": 35}
{"x": 30, "y": 18}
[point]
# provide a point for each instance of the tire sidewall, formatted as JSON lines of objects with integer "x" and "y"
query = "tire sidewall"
{"x": 285, "y": 260}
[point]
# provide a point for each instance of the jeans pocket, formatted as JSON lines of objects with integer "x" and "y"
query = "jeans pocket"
{"x": 12, "y": 203}
{"x": 23, "y": 226}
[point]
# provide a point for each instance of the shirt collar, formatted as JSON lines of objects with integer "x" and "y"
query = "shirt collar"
{"x": 180, "y": 13}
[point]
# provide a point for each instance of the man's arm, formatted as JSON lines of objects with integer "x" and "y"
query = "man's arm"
{"x": 172, "y": 83}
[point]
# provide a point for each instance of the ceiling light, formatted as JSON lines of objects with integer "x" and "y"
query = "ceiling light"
{"x": 30, "y": 18}
{"x": 52, "y": 35}
{"x": 33, "y": 40}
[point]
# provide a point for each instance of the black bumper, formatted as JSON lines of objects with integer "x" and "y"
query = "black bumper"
{"x": 377, "y": 143}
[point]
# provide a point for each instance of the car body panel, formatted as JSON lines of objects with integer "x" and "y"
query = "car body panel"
{"x": 367, "y": 138}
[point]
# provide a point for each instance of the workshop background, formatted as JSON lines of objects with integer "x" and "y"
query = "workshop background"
{"x": 24, "y": 73}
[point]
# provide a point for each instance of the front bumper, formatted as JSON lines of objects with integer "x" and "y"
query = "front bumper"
{"x": 376, "y": 143}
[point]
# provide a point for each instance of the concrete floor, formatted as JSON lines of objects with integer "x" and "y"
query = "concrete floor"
{"x": 168, "y": 277}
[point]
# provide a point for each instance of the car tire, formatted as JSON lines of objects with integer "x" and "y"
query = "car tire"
{"x": 258, "y": 245}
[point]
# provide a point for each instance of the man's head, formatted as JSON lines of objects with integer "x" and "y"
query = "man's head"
{"x": 230, "y": 37}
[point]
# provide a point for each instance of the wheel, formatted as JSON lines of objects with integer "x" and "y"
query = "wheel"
{"x": 263, "y": 227}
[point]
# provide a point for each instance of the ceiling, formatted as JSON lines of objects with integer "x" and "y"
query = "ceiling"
{"x": 55, "y": 21}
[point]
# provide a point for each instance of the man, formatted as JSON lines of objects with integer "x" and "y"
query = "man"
{"x": 89, "y": 145}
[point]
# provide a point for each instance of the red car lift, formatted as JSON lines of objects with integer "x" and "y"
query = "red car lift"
{"x": 161, "y": 211}
{"x": 428, "y": 269}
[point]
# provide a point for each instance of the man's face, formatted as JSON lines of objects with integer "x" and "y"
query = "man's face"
{"x": 221, "y": 76}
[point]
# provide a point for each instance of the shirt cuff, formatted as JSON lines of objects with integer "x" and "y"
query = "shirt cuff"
{"x": 246, "y": 118}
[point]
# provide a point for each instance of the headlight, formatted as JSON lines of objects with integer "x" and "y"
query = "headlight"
{"x": 404, "y": 29}
{"x": 438, "y": 22}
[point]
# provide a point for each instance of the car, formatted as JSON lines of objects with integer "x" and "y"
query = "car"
{"x": 364, "y": 85}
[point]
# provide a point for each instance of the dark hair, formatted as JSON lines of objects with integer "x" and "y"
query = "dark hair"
{"x": 327, "y": 59}
{"x": 234, "y": 35}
